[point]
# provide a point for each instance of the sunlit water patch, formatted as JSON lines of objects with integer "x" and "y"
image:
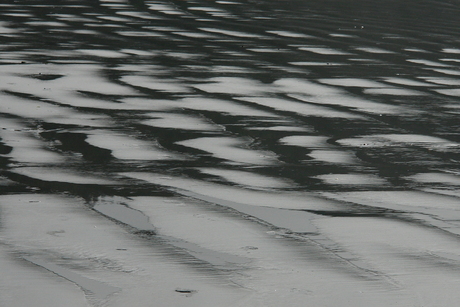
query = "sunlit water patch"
{"x": 246, "y": 178}
{"x": 374, "y": 50}
{"x": 127, "y": 147}
{"x": 398, "y": 140}
{"x": 310, "y": 141}
{"x": 333, "y": 156}
{"x": 298, "y": 107}
{"x": 324, "y": 50}
{"x": 353, "y": 82}
{"x": 234, "y": 86}
{"x": 180, "y": 121}
{"x": 352, "y": 179}
{"x": 436, "y": 178}
{"x": 26, "y": 147}
{"x": 231, "y": 149}
{"x": 57, "y": 175}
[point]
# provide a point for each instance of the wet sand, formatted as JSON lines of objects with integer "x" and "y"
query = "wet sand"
{"x": 229, "y": 153}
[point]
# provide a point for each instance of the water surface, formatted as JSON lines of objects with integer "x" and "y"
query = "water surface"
{"x": 229, "y": 153}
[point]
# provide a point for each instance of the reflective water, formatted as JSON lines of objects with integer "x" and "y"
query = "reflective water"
{"x": 326, "y": 131}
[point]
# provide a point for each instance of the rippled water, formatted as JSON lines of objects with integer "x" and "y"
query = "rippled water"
{"x": 240, "y": 145}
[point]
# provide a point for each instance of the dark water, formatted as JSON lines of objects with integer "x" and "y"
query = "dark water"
{"x": 280, "y": 111}
{"x": 386, "y": 67}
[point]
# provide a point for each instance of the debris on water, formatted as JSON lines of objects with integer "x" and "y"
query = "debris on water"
{"x": 145, "y": 232}
{"x": 55, "y": 232}
{"x": 187, "y": 292}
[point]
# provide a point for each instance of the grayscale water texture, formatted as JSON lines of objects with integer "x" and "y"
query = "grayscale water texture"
{"x": 229, "y": 153}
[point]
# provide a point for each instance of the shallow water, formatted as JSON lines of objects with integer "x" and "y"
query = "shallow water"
{"x": 258, "y": 152}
